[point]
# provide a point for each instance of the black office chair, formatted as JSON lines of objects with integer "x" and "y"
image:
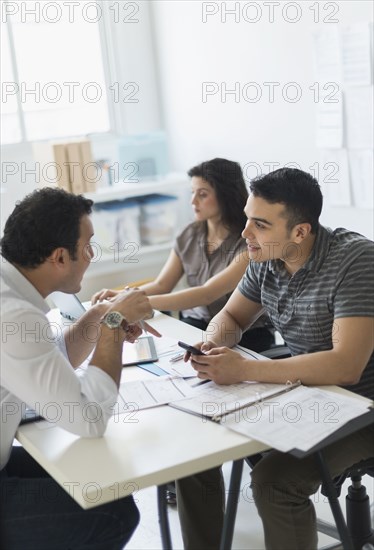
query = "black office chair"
{"x": 358, "y": 510}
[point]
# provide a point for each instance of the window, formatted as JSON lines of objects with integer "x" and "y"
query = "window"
{"x": 53, "y": 78}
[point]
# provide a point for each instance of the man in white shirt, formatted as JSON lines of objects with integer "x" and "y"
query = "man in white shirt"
{"x": 46, "y": 247}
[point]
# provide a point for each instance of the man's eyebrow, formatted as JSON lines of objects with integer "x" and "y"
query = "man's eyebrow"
{"x": 262, "y": 220}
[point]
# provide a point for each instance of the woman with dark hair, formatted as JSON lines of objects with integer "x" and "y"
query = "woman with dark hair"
{"x": 210, "y": 252}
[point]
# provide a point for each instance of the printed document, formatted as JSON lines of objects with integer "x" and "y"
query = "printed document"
{"x": 167, "y": 348}
{"x": 214, "y": 401}
{"x": 152, "y": 392}
{"x": 296, "y": 420}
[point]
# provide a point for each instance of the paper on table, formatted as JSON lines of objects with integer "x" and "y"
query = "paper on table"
{"x": 249, "y": 354}
{"x": 166, "y": 349}
{"x": 215, "y": 401}
{"x": 152, "y": 392}
{"x": 299, "y": 419}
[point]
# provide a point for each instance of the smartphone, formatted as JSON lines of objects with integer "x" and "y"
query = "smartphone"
{"x": 190, "y": 349}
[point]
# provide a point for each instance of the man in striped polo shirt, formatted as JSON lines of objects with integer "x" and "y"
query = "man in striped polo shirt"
{"x": 317, "y": 287}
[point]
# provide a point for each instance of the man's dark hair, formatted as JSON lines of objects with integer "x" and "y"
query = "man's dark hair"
{"x": 47, "y": 219}
{"x": 297, "y": 190}
{"x": 226, "y": 178}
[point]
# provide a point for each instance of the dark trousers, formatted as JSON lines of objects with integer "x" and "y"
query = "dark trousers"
{"x": 37, "y": 514}
{"x": 281, "y": 485}
{"x": 201, "y": 509}
{"x": 201, "y": 498}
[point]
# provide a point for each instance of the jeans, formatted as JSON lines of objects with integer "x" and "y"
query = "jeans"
{"x": 37, "y": 514}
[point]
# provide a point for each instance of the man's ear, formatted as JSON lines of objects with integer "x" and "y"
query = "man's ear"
{"x": 301, "y": 231}
{"x": 58, "y": 257}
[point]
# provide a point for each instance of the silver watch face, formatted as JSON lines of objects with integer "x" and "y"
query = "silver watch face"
{"x": 113, "y": 319}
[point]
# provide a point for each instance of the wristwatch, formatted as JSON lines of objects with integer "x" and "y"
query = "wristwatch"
{"x": 115, "y": 319}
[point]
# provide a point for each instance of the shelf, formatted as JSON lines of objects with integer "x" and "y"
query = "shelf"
{"x": 170, "y": 184}
{"x": 139, "y": 257}
{"x": 131, "y": 258}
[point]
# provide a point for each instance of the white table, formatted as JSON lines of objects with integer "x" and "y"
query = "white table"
{"x": 145, "y": 448}
{"x": 149, "y": 447}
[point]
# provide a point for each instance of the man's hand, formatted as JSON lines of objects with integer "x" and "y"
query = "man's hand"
{"x": 136, "y": 329}
{"x": 204, "y": 346}
{"x": 133, "y": 304}
{"x": 104, "y": 294}
{"x": 222, "y": 365}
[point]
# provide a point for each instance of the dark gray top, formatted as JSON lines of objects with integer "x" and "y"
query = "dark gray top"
{"x": 336, "y": 281}
{"x": 192, "y": 249}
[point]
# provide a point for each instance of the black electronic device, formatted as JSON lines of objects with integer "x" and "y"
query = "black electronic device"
{"x": 190, "y": 349}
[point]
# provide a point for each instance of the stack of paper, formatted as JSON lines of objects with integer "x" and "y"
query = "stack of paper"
{"x": 296, "y": 420}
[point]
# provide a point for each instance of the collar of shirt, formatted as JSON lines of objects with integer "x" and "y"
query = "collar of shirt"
{"x": 317, "y": 256}
{"x": 19, "y": 284}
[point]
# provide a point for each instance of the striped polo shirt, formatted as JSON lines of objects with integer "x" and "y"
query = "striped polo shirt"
{"x": 337, "y": 281}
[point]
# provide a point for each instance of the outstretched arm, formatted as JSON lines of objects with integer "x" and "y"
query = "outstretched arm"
{"x": 215, "y": 287}
{"x": 168, "y": 277}
{"x": 164, "y": 282}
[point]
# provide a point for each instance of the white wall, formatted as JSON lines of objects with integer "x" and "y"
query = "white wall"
{"x": 171, "y": 52}
{"x": 133, "y": 61}
{"x": 191, "y": 52}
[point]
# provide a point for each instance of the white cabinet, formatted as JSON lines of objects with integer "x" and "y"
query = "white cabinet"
{"x": 134, "y": 261}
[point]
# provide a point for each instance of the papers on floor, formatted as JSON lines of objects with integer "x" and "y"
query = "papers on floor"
{"x": 299, "y": 419}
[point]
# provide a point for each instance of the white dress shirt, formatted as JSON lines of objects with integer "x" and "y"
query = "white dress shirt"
{"x": 35, "y": 370}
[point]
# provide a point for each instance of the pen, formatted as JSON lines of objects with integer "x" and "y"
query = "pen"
{"x": 141, "y": 323}
{"x": 176, "y": 358}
